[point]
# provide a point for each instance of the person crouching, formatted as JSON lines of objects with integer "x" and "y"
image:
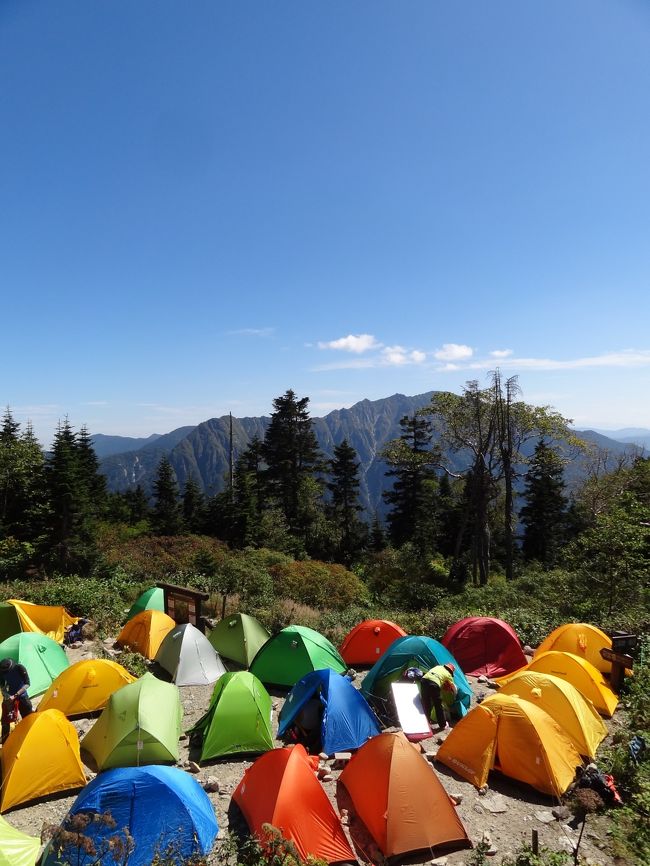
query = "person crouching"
{"x": 14, "y": 682}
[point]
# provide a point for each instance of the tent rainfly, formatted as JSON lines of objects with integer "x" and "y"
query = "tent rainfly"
{"x": 238, "y": 638}
{"x": 484, "y": 645}
{"x": 85, "y": 687}
{"x": 42, "y": 656}
{"x": 369, "y": 640}
{"x": 51, "y": 620}
{"x": 145, "y": 632}
{"x": 581, "y": 639}
{"x": 294, "y": 652}
{"x": 188, "y": 656}
{"x": 16, "y": 848}
{"x": 151, "y": 599}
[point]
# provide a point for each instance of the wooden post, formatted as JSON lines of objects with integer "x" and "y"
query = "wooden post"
{"x": 620, "y": 662}
{"x": 535, "y": 842}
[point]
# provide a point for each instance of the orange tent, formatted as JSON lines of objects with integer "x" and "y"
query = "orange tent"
{"x": 281, "y": 789}
{"x": 577, "y": 671}
{"x": 145, "y": 632}
{"x": 581, "y": 639}
{"x": 368, "y": 640}
{"x": 399, "y": 798}
{"x": 516, "y": 737}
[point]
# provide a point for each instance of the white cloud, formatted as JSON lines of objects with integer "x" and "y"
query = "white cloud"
{"x": 620, "y": 359}
{"x": 252, "y": 332}
{"x": 501, "y": 353}
{"x": 398, "y": 356}
{"x": 356, "y": 343}
{"x": 454, "y": 352}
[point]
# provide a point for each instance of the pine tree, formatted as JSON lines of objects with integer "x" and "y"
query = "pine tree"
{"x": 23, "y": 497}
{"x": 138, "y": 504}
{"x": 545, "y": 513}
{"x": 92, "y": 480}
{"x": 344, "y": 490}
{"x": 194, "y": 506}
{"x": 9, "y": 429}
{"x": 166, "y": 518}
{"x": 413, "y": 498}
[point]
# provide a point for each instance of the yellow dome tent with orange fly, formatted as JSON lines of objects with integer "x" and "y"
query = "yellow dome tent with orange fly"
{"x": 582, "y": 640}
{"x": 40, "y": 757}
{"x": 51, "y": 620}
{"x": 85, "y": 687}
{"x": 145, "y": 632}
{"x": 515, "y": 737}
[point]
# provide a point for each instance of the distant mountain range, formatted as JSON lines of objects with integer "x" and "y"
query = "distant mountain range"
{"x": 630, "y": 435}
{"x": 202, "y": 451}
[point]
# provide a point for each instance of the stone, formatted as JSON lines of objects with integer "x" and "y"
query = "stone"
{"x": 439, "y": 861}
{"x": 478, "y": 808}
{"x": 545, "y": 817}
{"x": 561, "y": 813}
{"x": 183, "y": 736}
{"x": 323, "y": 756}
{"x": 495, "y": 804}
{"x": 483, "y": 791}
{"x": 211, "y": 785}
{"x": 492, "y": 685}
{"x": 327, "y": 778}
{"x": 482, "y": 679}
{"x": 528, "y": 650}
{"x": 193, "y": 767}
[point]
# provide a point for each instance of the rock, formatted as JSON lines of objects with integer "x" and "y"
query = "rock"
{"x": 561, "y": 813}
{"x": 76, "y": 644}
{"x": 211, "y": 785}
{"x": 482, "y": 679}
{"x": 458, "y": 798}
{"x": 323, "y": 756}
{"x": 528, "y": 650}
{"x": 495, "y": 804}
{"x": 545, "y": 817}
{"x": 183, "y": 736}
{"x": 327, "y": 778}
{"x": 439, "y": 861}
{"x": 492, "y": 685}
{"x": 478, "y": 808}
{"x": 193, "y": 767}
{"x": 483, "y": 791}
{"x": 440, "y": 741}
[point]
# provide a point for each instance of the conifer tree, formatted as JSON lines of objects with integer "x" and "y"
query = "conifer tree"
{"x": 92, "y": 480}
{"x": 545, "y": 512}
{"x": 166, "y": 517}
{"x": 344, "y": 490}
{"x": 194, "y": 506}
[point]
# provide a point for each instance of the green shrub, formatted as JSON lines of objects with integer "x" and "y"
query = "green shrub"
{"x": 319, "y": 584}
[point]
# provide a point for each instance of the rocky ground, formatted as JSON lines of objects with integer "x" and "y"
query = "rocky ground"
{"x": 505, "y": 815}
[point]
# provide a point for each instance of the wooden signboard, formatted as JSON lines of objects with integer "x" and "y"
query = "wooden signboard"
{"x": 182, "y": 596}
{"x": 620, "y": 662}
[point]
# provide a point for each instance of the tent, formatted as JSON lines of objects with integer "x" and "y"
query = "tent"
{"x": 423, "y": 652}
{"x": 140, "y": 725}
{"x": 85, "y": 687}
{"x": 281, "y": 789}
{"x": 580, "y": 673}
{"x": 294, "y": 652}
{"x": 40, "y": 757}
{"x": 16, "y": 848}
{"x": 368, "y": 640}
{"x": 163, "y": 808}
{"x": 238, "y": 718}
{"x": 400, "y": 799}
{"x": 580, "y": 639}
{"x": 145, "y": 632}
{"x": 484, "y": 645}
{"x": 151, "y": 599}
{"x": 51, "y": 620}
{"x": 238, "y": 638}
{"x": 188, "y": 656}
{"x": 347, "y": 720}
{"x": 42, "y": 656}
{"x": 574, "y": 713}
{"x": 516, "y": 737}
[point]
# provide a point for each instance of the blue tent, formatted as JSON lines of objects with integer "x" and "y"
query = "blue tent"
{"x": 347, "y": 720}
{"x": 414, "y": 651}
{"x": 164, "y": 809}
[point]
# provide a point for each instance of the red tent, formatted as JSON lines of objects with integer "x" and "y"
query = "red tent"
{"x": 281, "y": 789}
{"x": 399, "y": 798}
{"x": 369, "y": 640}
{"x": 483, "y": 645}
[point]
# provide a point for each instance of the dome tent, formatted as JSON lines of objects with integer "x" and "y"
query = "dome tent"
{"x": 484, "y": 645}
{"x": 141, "y": 724}
{"x": 238, "y": 719}
{"x": 292, "y": 653}
{"x": 151, "y": 599}
{"x": 163, "y": 808}
{"x": 238, "y": 638}
{"x": 42, "y": 656}
{"x": 580, "y": 639}
{"x": 368, "y": 640}
{"x": 85, "y": 686}
{"x": 188, "y": 656}
{"x": 40, "y": 757}
{"x": 50, "y": 620}
{"x": 347, "y": 721}
{"x": 16, "y": 848}
{"x": 145, "y": 632}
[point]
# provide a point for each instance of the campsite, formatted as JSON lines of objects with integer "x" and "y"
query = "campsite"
{"x": 150, "y": 722}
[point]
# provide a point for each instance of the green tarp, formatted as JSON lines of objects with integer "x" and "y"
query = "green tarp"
{"x": 239, "y": 638}
{"x": 151, "y": 599}
{"x": 294, "y": 652}
{"x": 238, "y": 719}
{"x": 42, "y": 656}
{"x": 140, "y": 725}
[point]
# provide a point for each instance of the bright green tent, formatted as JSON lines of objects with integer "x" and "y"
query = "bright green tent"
{"x": 238, "y": 719}
{"x": 294, "y": 652}
{"x": 9, "y": 622}
{"x": 16, "y": 848}
{"x": 42, "y": 656}
{"x": 140, "y": 725}
{"x": 239, "y": 637}
{"x": 151, "y": 599}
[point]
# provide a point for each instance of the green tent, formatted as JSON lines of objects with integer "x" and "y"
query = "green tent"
{"x": 9, "y": 622}
{"x": 239, "y": 637}
{"x": 42, "y": 656}
{"x": 238, "y": 718}
{"x": 140, "y": 725}
{"x": 294, "y": 652}
{"x": 151, "y": 599}
{"x": 16, "y": 848}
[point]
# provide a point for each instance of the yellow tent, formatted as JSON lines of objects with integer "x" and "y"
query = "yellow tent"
{"x": 146, "y": 631}
{"x": 40, "y": 757}
{"x": 515, "y": 737}
{"x": 575, "y": 670}
{"x": 562, "y": 701}
{"x": 49, "y": 620}
{"x": 85, "y": 687}
{"x": 16, "y": 848}
{"x": 580, "y": 639}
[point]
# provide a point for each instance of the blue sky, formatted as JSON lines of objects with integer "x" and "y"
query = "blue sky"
{"x": 204, "y": 204}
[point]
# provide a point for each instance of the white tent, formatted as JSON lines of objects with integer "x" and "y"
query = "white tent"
{"x": 189, "y": 657}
